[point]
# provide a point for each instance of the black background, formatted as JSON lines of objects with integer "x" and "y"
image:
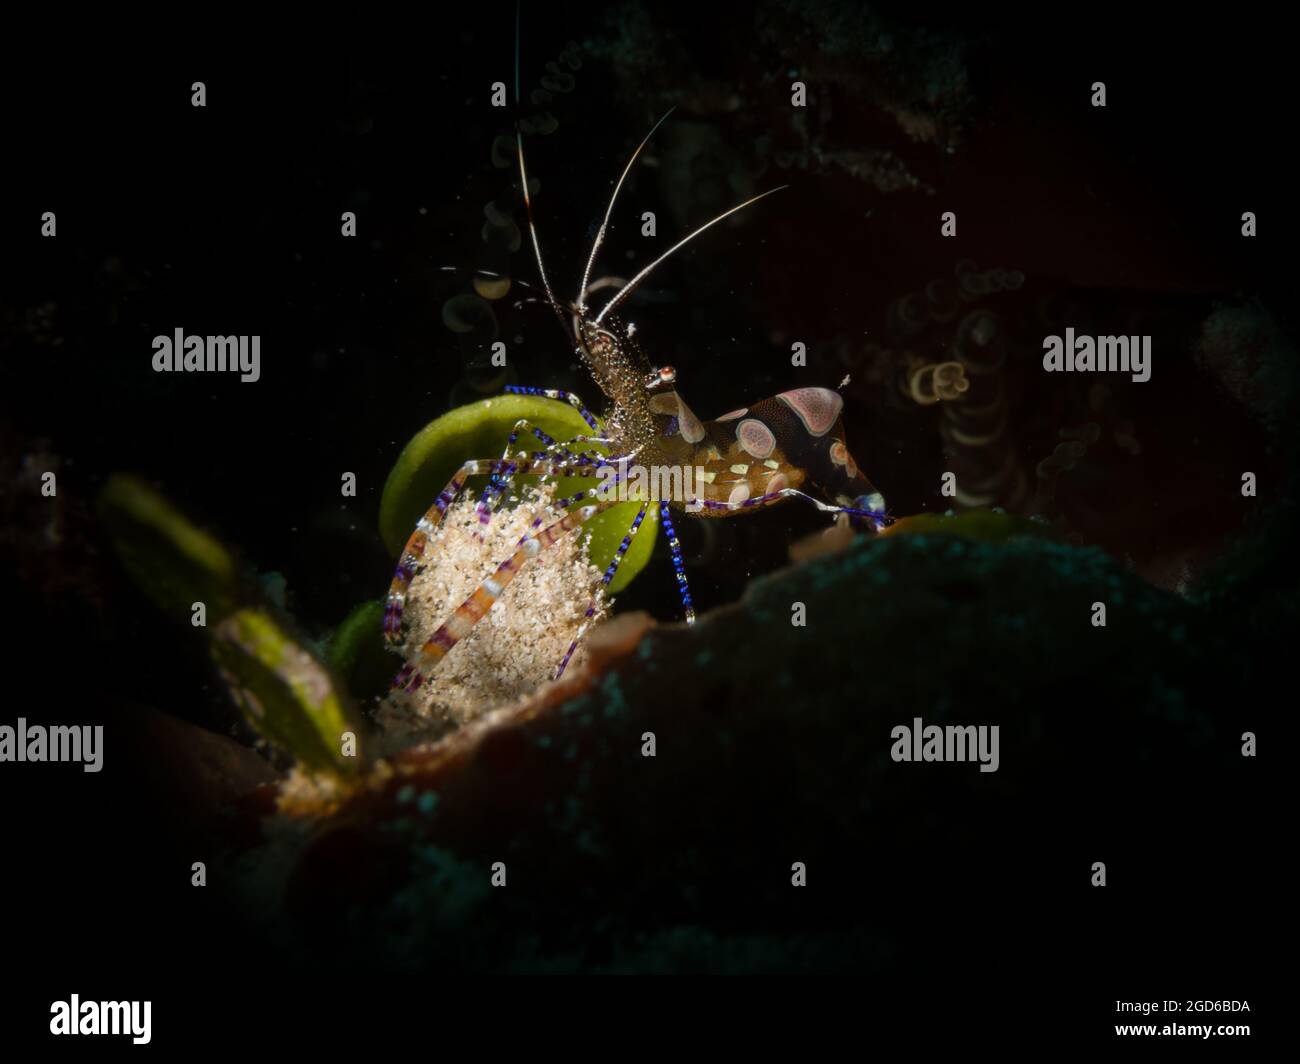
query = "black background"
{"x": 226, "y": 220}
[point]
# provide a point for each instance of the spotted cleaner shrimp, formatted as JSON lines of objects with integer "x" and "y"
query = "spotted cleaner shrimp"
{"x": 752, "y": 457}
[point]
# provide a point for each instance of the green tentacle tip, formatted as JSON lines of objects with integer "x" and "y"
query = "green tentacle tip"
{"x": 175, "y": 563}
{"x": 355, "y": 651}
{"x": 480, "y": 431}
{"x": 287, "y": 695}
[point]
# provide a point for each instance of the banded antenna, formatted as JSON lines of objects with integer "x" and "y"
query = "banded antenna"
{"x": 523, "y": 182}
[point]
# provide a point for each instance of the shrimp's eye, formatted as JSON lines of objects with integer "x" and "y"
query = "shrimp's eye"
{"x": 663, "y": 375}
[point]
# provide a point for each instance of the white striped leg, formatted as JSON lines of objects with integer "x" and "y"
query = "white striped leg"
{"x": 476, "y": 606}
{"x": 412, "y": 556}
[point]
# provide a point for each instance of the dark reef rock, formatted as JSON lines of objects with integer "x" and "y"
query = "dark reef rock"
{"x": 773, "y": 746}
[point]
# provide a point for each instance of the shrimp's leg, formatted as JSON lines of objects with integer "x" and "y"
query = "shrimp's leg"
{"x": 604, "y": 582}
{"x": 412, "y": 555}
{"x": 877, "y": 519}
{"x": 474, "y": 608}
{"x": 564, "y": 397}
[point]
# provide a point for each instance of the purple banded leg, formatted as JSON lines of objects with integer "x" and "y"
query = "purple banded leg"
{"x": 501, "y": 480}
{"x": 552, "y": 451}
{"x": 413, "y": 553}
{"x": 593, "y": 493}
{"x": 604, "y": 582}
{"x": 683, "y": 586}
{"x": 565, "y": 502}
{"x": 564, "y": 397}
{"x": 498, "y": 482}
{"x": 878, "y": 518}
{"x": 592, "y": 458}
{"x": 474, "y": 608}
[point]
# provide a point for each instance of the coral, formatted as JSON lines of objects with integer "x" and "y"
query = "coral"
{"x": 284, "y": 690}
{"x": 290, "y": 692}
{"x": 286, "y": 693}
{"x": 1246, "y": 349}
{"x": 945, "y": 348}
{"x": 975, "y": 429}
{"x": 916, "y": 77}
{"x": 933, "y": 382}
{"x": 756, "y": 765}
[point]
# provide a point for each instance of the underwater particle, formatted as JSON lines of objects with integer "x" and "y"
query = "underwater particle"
{"x": 1126, "y": 439}
{"x": 943, "y": 299}
{"x": 492, "y": 288}
{"x": 543, "y": 124}
{"x": 505, "y": 154}
{"x": 467, "y": 313}
{"x": 973, "y": 285}
{"x": 508, "y": 236}
{"x": 557, "y": 80}
{"x": 520, "y": 642}
{"x": 501, "y": 211}
{"x": 907, "y": 316}
{"x": 1089, "y": 433}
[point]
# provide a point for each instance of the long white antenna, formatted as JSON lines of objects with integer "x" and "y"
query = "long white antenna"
{"x": 523, "y": 181}
{"x": 630, "y": 287}
{"x": 600, "y": 235}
